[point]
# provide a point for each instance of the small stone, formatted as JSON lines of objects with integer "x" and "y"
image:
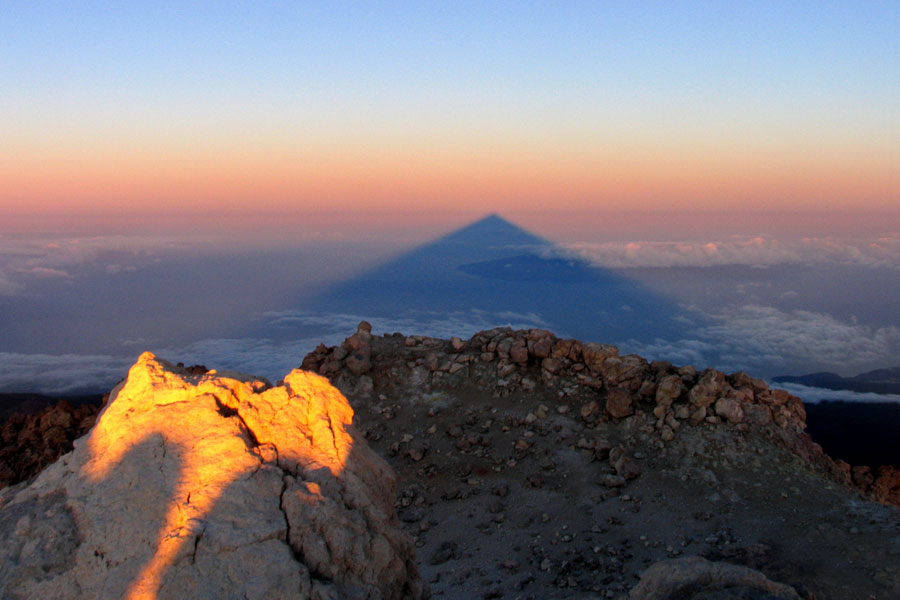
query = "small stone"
{"x": 590, "y": 410}
{"x": 418, "y": 449}
{"x": 613, "y": 481}
{"x": 447, "y": 551}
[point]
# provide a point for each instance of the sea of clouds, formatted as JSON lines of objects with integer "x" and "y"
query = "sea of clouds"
{"x": 263, "y": 357}
{"x": 748, "y": 337}
{"x": 876, "y": 251}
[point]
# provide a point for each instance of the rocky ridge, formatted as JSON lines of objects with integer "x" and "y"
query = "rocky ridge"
{"x": 210, "y": 485}
{"x": 536, "y": 467}
{"x": 595, "y": 377}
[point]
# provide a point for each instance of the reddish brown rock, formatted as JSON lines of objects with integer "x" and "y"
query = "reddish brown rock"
{"x": 708, "y": 389}
{"x": 730, "y": 409}
{"x": 519, "y": 354}
{"x": 32, "y": 442}
{"x": 669, "y": 389}
{"x": 594, "y": 355}
{"x": 885, "y": 487}
{"x": 551, "y": 365}
{"x": 570, "y": 349}
{"x": 542, "y": 347}
{"x": 619, "y": 403}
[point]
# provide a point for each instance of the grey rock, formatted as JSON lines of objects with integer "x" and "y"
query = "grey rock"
{"x": 214, "y": 486}
{"x": 695, "y": 577}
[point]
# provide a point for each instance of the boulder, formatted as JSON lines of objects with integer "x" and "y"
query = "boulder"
{"x": 730, "y": 409}
{"x": 709, "y": 388}
{"x": 619, "y": 403}
{"x": 519, "y": 353}
{"x": 211, "y": 486}
{"x": 594, "y": 354}
{"x": 542, "y": 347}
{"x": 669, "y": 389}
{"x": 696, "y": 577}
{"x": 570, "y": 349}
{"x": 627, "y": 371}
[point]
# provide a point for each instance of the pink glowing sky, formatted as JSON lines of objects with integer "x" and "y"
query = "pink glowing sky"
{"x": 580, "y": 122}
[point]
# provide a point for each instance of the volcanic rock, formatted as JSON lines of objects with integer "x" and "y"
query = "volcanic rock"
{"x": 730, "y": 409}
{"x": 618, "y": 403}
{"x": 705, "y": 465}
{"x": 696, "y": 577}
{"x": 211, "y": 486}
{"x": 31, "y": 442}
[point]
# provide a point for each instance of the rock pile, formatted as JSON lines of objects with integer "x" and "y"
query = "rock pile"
{"x": 882, "y": 485}
{"x": 31, "y": 442}
{"x": 211, "y": 485}
{"x": 607, "y": 386}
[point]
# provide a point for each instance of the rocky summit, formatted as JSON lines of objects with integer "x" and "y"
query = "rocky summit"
{"x": 212, "y": 485}
{"x": 522, "y": 466}
{"x": 536, "y": 467}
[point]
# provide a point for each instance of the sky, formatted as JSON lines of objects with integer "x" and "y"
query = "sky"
{"x": 652, "y": 117}
{"x": 181, "y": 176}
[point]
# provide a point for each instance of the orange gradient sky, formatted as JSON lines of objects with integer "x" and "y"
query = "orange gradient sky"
{"x": 409, "y": 118}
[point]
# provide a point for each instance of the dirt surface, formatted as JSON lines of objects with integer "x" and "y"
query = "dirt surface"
{"x": 491, "y": 521}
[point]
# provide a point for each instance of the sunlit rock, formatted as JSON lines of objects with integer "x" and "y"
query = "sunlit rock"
{"x": 210, "y": 486}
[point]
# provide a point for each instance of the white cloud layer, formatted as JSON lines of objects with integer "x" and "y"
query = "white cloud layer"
{"x": 749, "y": 338}
{"x": 442, "y": 325}
{"x": 880, "y": 251}
{"x": 72, "y": 373}
{"x": 61, "y": 373}
{"x": 762, "y": 337}
{"x": 23, "y": 258}
{"x": 814, "y": 395}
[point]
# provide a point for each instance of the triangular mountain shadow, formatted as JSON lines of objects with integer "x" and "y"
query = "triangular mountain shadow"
{"x": 499, "y": 270}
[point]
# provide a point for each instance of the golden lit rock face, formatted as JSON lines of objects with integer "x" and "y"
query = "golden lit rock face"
{"x": 219, "y": 486}
{"x": 190, "y": 413}
{"x": 321, "y": 411}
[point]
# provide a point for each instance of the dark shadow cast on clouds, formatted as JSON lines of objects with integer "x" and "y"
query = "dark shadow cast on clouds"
{"x": 507, "y": 274}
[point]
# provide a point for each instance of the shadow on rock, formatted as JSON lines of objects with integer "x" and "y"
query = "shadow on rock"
{"x": 210, "y": 486}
